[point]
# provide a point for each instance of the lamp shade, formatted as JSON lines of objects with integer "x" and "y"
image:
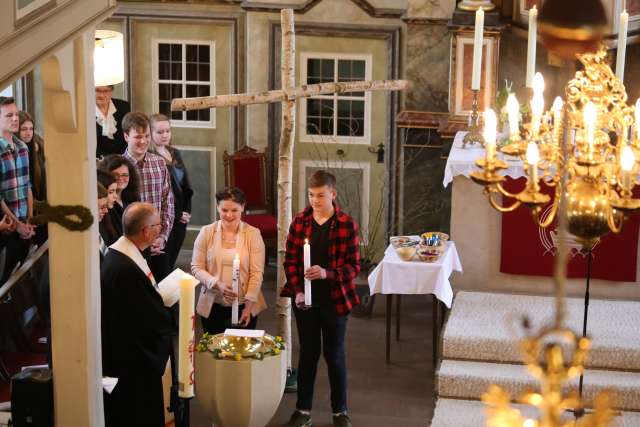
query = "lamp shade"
{"x": 108, "y": 58}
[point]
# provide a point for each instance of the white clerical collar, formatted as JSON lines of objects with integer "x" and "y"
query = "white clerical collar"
{"x": 128, "y": 248}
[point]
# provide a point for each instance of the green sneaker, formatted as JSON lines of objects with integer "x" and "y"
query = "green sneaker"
{"x": 298, "y": 419}
{"x": 291, "y": 386}
{"x": 341, "y": 420}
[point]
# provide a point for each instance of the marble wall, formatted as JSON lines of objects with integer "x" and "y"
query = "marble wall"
{"x": 427, "y": 66}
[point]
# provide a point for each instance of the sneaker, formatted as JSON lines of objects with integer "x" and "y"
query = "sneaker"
{"x": 298, "y": 419}
{"x": 291, "y": 386}
{"x": 341, "y": 420}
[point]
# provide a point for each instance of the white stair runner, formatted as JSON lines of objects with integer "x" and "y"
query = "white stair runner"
{"x": 480, "y": 347}
{"x": 485, "y": 326}
{"x": 465, "y": 413}
{"x": 469, "y": 380}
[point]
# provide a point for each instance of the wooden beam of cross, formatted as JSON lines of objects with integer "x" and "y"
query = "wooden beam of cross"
{"x": 287, "y": 96}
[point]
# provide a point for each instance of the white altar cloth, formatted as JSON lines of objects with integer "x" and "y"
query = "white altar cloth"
{"x": 395, "y": 276}
{"x": 462, "y": 161}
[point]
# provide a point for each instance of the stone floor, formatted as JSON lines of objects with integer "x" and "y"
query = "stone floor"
{"x": 397, "y": 394}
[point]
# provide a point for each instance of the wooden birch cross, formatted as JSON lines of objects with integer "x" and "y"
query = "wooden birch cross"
{"x": 287, "y": 96}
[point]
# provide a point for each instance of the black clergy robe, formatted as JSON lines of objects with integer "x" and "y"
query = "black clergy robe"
{"x": 136, "y": 335}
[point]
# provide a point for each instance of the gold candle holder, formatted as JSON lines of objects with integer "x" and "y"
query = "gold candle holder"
{"x": 474, "y": 136}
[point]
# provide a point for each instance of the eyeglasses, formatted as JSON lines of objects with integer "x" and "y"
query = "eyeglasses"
{"x": 120, "y": 175}
{"x": 155, "y": 225}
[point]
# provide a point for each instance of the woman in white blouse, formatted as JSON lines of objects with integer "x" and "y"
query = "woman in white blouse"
{"x": 212, "y": 263}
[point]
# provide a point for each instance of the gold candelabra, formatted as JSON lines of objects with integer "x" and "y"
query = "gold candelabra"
{"x": 603, "y": 142}
{"x": 474, "y": 136}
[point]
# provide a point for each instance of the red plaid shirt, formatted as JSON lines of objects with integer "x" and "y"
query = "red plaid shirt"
{"x": 155, "y": 188}
{"x": 344, "y": 258}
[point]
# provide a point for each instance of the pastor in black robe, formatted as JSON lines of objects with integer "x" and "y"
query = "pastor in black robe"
{"x": 136, "y": 335}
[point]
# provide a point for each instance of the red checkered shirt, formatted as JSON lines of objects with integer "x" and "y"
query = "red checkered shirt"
{"x": 155, "y": 187}
{"x": 344, "y": 258}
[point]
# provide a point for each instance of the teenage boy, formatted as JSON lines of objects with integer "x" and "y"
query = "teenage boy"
{"x": 335, "y": 262}
{"x": 155, "y": 185}
{"x": 16, "y": 199}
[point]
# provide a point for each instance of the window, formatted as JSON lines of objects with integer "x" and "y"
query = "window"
{"x": 184, "y": 69}
{"x": 336, "y": 117}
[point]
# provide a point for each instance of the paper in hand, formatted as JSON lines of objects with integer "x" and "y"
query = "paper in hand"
{"x": 169, "y": 287}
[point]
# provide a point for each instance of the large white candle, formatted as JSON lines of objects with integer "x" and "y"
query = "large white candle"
{"x": 235, "y": 277}
{"x": 186, "y": 337}
{"x": 307, "y": 264}
{"x": 531, "y": 46}
{"x": 477, "y": 50}
{"x": 622, "y": 44}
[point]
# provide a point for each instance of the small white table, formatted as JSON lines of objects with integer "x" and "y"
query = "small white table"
{"x": 393, "y": 276}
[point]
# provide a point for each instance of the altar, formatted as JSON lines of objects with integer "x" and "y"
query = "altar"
{"x": 476, "y": 229}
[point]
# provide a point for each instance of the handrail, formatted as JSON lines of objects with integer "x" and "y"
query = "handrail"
{"x": 26, "y": 266}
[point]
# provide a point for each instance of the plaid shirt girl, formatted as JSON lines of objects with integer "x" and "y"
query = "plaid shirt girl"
{"x": 344, "y": 258}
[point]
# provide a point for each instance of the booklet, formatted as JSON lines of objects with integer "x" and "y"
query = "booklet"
{"x": 169, "y": 287}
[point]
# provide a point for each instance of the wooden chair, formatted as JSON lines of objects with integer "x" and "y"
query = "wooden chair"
{"x": 246, "y": 169}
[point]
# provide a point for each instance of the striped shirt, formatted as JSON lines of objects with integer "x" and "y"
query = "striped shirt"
{"x": 14, "y": 177}
{"x": 155, "y": 188}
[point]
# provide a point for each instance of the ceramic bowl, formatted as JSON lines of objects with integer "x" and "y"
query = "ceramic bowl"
{"x": 399, "y": 241}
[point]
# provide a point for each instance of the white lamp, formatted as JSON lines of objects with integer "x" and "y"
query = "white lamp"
{"x": 108, "y": 58}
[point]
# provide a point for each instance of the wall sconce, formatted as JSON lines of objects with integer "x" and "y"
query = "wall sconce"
{"x": 108, "y": 58}
{"x": 379, "y": 151}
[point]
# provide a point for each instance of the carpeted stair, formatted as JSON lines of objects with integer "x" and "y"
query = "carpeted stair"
{"x": 480, "y": 347}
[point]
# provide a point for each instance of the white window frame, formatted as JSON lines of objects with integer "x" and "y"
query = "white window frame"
{"x": 155, "y": 81}
{"x": 366, "y": 138}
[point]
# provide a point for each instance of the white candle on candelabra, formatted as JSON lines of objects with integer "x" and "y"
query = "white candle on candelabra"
{"x": 531, "y": 46}
{"x": 557, "y": 116}
{"x": 627, "y": 159}
{"x": 235, "y": 277}
{"x": 477, "y": 50}
{"x": 513, "y": 111}
{"x": 533, "y": 157}
{"x": 489, "y": 134}
{"x": 307, "y": 264}
{"x": 622, "y": 44}
{"x": 186, "y": 336}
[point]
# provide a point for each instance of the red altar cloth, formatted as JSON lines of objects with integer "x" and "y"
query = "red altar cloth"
{"x": 529, "y": 250}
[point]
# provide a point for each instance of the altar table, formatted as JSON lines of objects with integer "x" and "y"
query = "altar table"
{"x": 393, "y": 276}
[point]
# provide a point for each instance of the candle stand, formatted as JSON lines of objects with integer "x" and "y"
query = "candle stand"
{"x": 474, "y": 136}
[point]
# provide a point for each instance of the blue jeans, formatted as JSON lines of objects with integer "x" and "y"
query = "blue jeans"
{"x": 314, "y": 325}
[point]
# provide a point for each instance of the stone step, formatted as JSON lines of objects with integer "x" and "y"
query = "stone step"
{"x": 486, "y": 326}
{"x": 471, "y": 413}
{"x": 470, "y": 379}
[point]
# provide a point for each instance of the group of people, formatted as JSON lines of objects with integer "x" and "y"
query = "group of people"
{"x": 22, "y": 180}
{"x": 140, "y": 329}
{"x": 144, "y": 204}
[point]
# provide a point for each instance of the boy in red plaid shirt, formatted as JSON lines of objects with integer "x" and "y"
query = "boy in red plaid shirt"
{"x": 335, "y": 262}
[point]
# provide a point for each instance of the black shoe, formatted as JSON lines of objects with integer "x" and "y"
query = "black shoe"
{"x": 298, "y": 419}
{"x": 341, "y": 420}
{"x": 291, "y": 386}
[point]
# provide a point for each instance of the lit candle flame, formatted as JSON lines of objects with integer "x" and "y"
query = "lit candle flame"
{"x": 557, "y": 104}
{"x": 627, "y": 159}
{"x": 533, "y": 154}
{"x": 513, "y": 110}
{"x": 490, "y": 126}
{"x": 538, "y": 83}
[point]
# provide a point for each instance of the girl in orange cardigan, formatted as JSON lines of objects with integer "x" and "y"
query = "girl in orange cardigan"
{"x": 212, "y": 260}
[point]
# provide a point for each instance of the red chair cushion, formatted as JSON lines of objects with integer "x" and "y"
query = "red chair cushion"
{"x": 247, "y": 176}
{"x": 267, "y": 224}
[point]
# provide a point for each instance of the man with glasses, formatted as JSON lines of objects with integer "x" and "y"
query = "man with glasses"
{"x": 136, "y": 326}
